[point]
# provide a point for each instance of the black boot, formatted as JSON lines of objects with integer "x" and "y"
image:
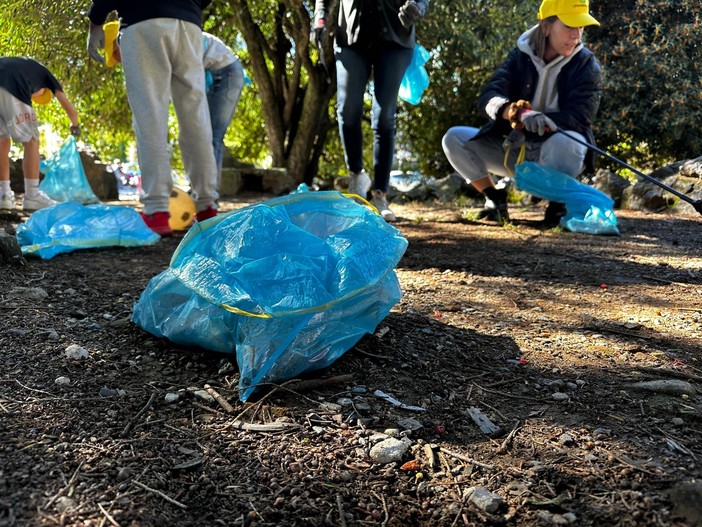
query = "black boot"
{"x": 498, "y": 211}
{"x": 554, "y": 212}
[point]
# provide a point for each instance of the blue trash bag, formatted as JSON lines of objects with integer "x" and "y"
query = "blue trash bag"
{"x": 589, "y": 210}
{"x": 289, "y": 285}
{"x": 65, "y": 178}
{"x": 69, "y": 226}
{"x": 416, "y": 78}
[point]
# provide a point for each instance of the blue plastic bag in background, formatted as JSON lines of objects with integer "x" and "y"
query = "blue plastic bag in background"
{"x": 416, "y": 78}
{"x": 65, "y": 178}
{"x": 589, "y": 210}
{"x": 69, "y": 226}
{"x": 289, "y": 284}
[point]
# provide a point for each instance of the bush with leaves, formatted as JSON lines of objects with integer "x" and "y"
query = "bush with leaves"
{"x": 651, "y": 53}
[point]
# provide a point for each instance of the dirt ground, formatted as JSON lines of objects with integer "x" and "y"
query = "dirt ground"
{"x": 544, "y": 335}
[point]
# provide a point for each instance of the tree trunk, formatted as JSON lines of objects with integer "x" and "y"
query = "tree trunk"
{"x": 294, "y": 91}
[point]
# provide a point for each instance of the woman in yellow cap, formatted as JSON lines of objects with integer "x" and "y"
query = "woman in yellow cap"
{"x": 22, "y": 82}
{"x": 549, "y": 81}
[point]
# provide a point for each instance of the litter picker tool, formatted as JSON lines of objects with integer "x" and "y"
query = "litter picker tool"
{"x": 696, "y": 203}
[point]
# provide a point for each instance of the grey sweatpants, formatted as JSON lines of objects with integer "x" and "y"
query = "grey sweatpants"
{"x": 475, "y": 159}
{"x": 162, "y": 61}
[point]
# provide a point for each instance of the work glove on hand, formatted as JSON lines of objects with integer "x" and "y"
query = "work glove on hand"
{"x": 96, "y": 42}
{"x": 75, "y": 130}
{"x": 319, "y": 30}
{"x": 537, "y": 122}
{"x": 410, "y": 13}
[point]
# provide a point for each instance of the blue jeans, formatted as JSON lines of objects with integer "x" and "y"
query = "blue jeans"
{"x": 353, "y": 71}
{"x": 222, "y": 98}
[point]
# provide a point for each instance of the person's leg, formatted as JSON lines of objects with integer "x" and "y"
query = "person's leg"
{"x": 389, "y": 65}
{"x": 146, "y": 49}
{"x": 222, "y": 100}
{"x": 475, "y": 160}
{"x": 34, "y": 199}
{"x": 7, "y": 197}
{"x": 190, "y": 103}
{"x": 563, "y": 154}
{"x": 5, "y": 144}
{"x": 352, "y": 74}
{"x": 30, "y": 160}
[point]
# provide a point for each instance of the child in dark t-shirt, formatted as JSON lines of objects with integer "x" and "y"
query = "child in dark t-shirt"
{"x": 24, "y": 81}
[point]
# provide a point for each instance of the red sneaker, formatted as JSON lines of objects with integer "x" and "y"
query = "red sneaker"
{"x": 209, "y": 212}
{"x": 158, "y": 222}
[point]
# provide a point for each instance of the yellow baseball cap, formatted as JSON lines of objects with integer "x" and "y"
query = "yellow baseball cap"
{"x": 111, "y": 30}
{"x": 573, "y": 13}
{"x": 44, "y": 97}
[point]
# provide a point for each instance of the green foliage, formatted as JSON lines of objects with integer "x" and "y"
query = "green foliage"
{"x": 58, "y": 40}
{"x": 651, "y": 54}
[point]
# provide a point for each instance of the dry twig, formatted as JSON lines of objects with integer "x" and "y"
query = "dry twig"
{"x": 161, "y": 494}
{"x": 134, "y": 419}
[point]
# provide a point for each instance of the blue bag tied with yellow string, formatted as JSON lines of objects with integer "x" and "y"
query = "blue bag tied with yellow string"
{"x": 289, "y": 285}
{"x": 589, "y": 210}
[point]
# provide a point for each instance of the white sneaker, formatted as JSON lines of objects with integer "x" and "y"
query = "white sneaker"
{"x": 359, "y": 183}
{"x": 39, "y": 201}
{"x": 7, "y": 201}
{"x": 380, "y": 202}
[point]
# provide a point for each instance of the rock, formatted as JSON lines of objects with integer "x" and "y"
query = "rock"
{"x": 667, "y": 386}
{"x": 611, "y": 184}
{"x": 485, "y": 500}
{"x": 31, "y": 293}
{"x": 389, "y": 450}
{"x": 124, "y": 473}
{"x": 111, "y": 392}
{"x": 63, "y": 381}
{"x": 691, "y": 168}
{"x": 64, "y": 504}
{"x": 447, "y": 188}
{"x": 410, "y": 424}
{"x": 10, "y": 251}
{"x": 560, "y": 396}
{"x": 75, "y": 352}
{"x": 171, "y": 397}
{"x": 647, "y": 197}
{"x": 687, "y": 501}
{"x": 566, "y": 439}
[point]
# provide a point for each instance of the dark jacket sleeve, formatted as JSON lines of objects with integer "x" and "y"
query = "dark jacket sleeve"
{"x": 579, "y": 94}
{"x": 514, "y": 79}
{"x": 99, "y": 9}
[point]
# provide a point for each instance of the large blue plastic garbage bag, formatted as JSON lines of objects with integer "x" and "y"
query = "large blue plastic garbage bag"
{"x": 65, "y": 178}
{"x": 70, "y": 226}
{"x": 589, "y": 210}
{"x": 289, "y": 285}
{"x": 416, "y": 78}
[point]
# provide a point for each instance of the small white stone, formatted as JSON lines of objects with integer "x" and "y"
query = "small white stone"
{"x": 63, "y": 381}
{"x": 171, "y": 397}
{"x": 74, "y": 351}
